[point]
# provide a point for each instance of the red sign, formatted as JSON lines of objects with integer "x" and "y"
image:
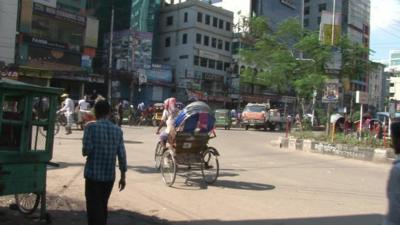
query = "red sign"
{"x": 89, "y": 52}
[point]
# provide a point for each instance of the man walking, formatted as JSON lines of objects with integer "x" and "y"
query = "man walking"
{"x": 68, "y": 110}
{"x": 102, "y": 144}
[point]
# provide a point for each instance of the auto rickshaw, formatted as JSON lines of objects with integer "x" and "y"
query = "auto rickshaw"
{"x": 158, "y": 112}
{"x": 27, "y": 122}
{"x": 223, "y": 118}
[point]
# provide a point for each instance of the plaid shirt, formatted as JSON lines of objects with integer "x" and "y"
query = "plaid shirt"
{"x": 102, "y": 143}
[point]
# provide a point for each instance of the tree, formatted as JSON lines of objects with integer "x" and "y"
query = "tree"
{"x": 276, "y": 54}
{"x": 279, "y": 55}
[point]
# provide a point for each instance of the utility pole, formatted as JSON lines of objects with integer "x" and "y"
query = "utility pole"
{"x": 110, "y": 53}
{"x": 333, "y": 21}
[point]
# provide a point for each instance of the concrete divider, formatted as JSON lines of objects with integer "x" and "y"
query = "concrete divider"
{"x": 347, "y": 151}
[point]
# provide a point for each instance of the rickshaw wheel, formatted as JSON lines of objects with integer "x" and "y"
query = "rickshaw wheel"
{"x": 168, "y": 168}
{"x": 158, "y": 155}
{"x": 27, "y": 203}
{"x": 210, "y": 166}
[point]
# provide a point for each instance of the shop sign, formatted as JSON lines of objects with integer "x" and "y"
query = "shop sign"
{"x": 9, "y": 74}
{"x": 45, "y": 43}
{"x": 59, "y": 14}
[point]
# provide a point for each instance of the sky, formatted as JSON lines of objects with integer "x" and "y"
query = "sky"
{"x": 385, "y": 24}
{"x": 385, "y": 28}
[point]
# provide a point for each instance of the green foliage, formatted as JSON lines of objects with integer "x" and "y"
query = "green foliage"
{"x": 276, "y": 55}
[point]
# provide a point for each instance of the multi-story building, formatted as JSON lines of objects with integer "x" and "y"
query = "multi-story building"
{"x": 276, "y": 11}
{"x": 354, "y": 17}
{"x": 144, "y": 15}
{"x": 394, "y": 61}
{"x": 394, "y": 90}
{"x": 195, "y": 38}
{"x": 55, "y": 44}
{"x": 8, "y": 28}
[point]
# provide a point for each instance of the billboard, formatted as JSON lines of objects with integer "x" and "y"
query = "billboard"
{"x": 331, "y": 91}
{"x": 50, "y": 3}
{"x": 134, "y": 48}
{"x": 330, "y": 26}
{"x": 91, "y": 32}
{"x": 142, "y": 49}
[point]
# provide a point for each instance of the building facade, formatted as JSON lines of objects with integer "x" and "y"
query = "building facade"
{"x": 195, "y": 38}
{"x": 55, "y": 44}
{"x": 276, "y": 11}
{"x": 8, "y": 27}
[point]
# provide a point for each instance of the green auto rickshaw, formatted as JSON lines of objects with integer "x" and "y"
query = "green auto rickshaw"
{"x": 223, "y": 118}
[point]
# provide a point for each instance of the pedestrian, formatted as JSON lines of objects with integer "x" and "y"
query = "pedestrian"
{"x": 68, "y": 108}
{"x": 393, "y": 185}
{"x": 102, "y": 143}
{"x": 120, "y": 111}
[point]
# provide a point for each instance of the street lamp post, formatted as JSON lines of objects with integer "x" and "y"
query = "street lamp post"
{"x": 110, "y": 51}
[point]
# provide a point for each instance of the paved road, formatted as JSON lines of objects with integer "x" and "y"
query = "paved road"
{"x": 258, "y": 184}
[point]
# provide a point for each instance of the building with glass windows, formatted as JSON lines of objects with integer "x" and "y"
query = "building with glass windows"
{"x": 144, "y": 15}
{"x": 195, "y": 38}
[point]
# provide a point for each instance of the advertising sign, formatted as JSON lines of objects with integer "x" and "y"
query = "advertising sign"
{"x": 91, "y": 32}
{"x": 51, "y": 3}
{"x": 142, "y": 49}
{"x": 361, "y": 97}
{"x": 59, "y": 14}
{"x": 133, "y": 47}
{"x": 326, "y": 28}
{"x": 331, "y": 91}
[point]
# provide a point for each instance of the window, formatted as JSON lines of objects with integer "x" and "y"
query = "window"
{"x": 215, "y": 21}
{"x": 306, "y": 22}
{"x": 220, "y": 44}
{"x": 219, "y": 65}
{"x": 168, "y": 42}
{"x": 206, "y": 40}
{"x": 199, "y": 17}
{"x": 214, "y": 42}
{"x": 227, "y": 66}
{"x": 228, "y": 26}
{"x": 196, "y": 60}
{"x": 208, "y": 19}
{"x": 185, "y": 17}
{"x": 170, "y": 20}
{"x": 321, "y": 7}
{"x": 203, "y": 62}
{"x": 221, "y": 24}
{"x": 198, "y": 38}
{"x": 307, "y": 10}
{"x": 306, "y": 1}
{"x": 319, "y": 20}
{"x": 184, "y": 56}
{"x": 211, "y": 64}
{"x": 184, "y": 39}
{"x": 227, "y": 46}
{"x": 166, "y": 59}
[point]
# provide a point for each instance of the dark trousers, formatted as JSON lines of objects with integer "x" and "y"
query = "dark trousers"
{"x": 97, "y": 195}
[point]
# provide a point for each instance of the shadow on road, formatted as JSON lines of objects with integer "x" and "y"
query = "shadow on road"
{"x": 126, "y": 217}
{"x": 132, "y": 142}
{"x": 368, "y": 219}
{"x": 67, "y": 217}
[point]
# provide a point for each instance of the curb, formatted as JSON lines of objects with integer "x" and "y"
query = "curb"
{"x": 379, "y": 155}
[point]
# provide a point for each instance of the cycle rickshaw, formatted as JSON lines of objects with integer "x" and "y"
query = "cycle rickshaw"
{"x": 27, "y": 125}
{"x": 194, "y": 128}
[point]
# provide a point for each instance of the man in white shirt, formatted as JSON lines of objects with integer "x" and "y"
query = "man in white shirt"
{"x": 83, "y": 107}
{"x": 68, "y": 110}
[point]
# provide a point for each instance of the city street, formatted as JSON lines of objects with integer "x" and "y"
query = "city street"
{"x": 258, "y": 184}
